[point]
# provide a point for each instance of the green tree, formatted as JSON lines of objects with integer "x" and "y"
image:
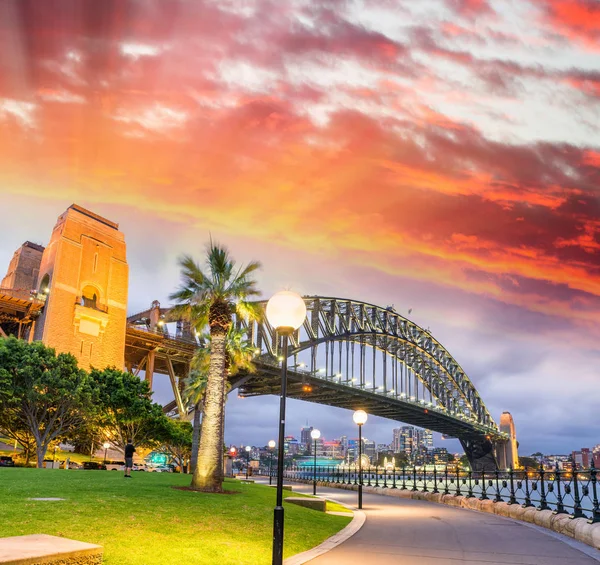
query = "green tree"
{"x": 464, "y": 462}
{"x": 176, "y": 439}
{"x": 530, "y": 462}
{"x": 49, "y": 395}
{"x": 210, "y": 299}
{"x": 127, "y": 410}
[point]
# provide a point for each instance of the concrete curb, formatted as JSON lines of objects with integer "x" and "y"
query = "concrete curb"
{"x": 576, "y": 528}
{"x": 356, "y": 524}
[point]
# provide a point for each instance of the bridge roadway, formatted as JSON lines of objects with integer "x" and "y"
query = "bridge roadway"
{"x": 417, "y": 532}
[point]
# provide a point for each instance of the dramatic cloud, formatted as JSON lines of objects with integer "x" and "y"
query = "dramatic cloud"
{"x": 442, "y": 155}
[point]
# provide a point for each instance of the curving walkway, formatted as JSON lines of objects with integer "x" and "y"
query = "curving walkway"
{"x": 415, "y": 532}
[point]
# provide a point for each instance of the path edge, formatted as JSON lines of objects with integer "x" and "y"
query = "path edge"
{"x": 358, "y": 521}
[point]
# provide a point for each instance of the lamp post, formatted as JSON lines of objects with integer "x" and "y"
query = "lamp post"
{"x": 360, "y": 417}
{"x": 315, "y": 434}
{"x": 232, "y": 454}
{"x": 106, "y": 445}
{"x": 286, "y": 312}
{"x": 271, "y": 446}
{"x": 248, "y": 450}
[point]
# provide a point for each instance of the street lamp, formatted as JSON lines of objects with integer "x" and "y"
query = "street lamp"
{"x": 315, "y": 434}
{"x": 248, "y": 450}
{"x": 271, "y": 446}
{"x": 360, "y": 417}
{"x": 106, "y": 445}
{"x": 232, "y": 454}
{"x": 286, "y": 312}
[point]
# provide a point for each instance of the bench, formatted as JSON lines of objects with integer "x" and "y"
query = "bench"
{"x": 312, "y": 503}
{"x": 284, "y": 487}
{"x": 39, "y": 549}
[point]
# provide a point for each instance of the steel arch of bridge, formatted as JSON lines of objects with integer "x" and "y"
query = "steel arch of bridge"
{"x": 415, "y": 373}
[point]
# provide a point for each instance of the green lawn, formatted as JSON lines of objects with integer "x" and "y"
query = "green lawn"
{"x": 143, "y": 521}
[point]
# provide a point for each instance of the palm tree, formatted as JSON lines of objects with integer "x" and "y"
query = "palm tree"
{"x": 240, "y": 353}
{"x": 211, "y": 299}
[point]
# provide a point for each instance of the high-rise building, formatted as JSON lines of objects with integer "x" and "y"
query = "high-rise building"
{"x": 305, "y": 438}
{"x": 427, "y": 439}
{"x": 291, "y": 445}
{"x": 582, "y": 459}
{"x": 396, "y": 440}
{"x": 596, "y": 456}
{"x": 370, "y": 449}
{"x": 411, "y": 440}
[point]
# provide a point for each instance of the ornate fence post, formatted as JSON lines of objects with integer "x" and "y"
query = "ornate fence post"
{"x": 457, "y": 493}
{"x": 435, "y": 489}
{"x": 403, "y": 477}
{"x": 385, "y": 478}
{"x": 577, "y": 513}
{"x": 497, "y": 498}
{"x": 376, "y": 476}
{"x": 425, "y": 489}
{"x": 355, "y": 475}
{"x": 560, "y": 507}
{"x": 369, "y": 475}
{"x": 511, "y": 476}
{"x": 595, "y": 518}
{"x": 543, "y": 502}
{"x": 470, "y": 488}
{"x": 414, "y": 478}
{"x": 527, "y": 493}
{"x": 446, "y": 489}
{"x": 394, "y": 476}
{"x": 484, "y": 495}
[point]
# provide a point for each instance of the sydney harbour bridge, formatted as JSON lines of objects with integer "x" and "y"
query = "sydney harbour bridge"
{"x": 348, "y": 354}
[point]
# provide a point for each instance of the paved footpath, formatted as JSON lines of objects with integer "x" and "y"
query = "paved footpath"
{"x": 411, "y": 532}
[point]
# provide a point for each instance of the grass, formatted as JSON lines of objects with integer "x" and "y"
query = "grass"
{"x": 144, "y": 521}
{"x": 335, "y": 507}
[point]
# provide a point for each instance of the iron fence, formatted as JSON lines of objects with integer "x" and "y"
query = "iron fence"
{"x": 563, "y": 492}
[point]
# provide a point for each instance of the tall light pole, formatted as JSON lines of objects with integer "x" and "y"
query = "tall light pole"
{"x": 360, "y": 417}
{"x": 232, "y": 454}
{"x": 106, "y": 445}
{"x": 248, "y": 450}
{"x": 315, "y": 434}
{"x": 271, "y": 446}
{"x": 286, "y": 312}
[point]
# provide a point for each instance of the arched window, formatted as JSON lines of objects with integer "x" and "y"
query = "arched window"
{"x": 89, "y": 297}
{"x": 44, "y": 287}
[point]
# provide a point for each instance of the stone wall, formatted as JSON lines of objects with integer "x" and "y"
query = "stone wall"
{"x": 24, "y": 267}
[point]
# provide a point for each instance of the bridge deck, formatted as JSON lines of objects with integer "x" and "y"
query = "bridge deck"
{"x": 267, "y": 381}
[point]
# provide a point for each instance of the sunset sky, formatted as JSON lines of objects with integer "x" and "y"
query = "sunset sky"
{"x": 441, "y": 156}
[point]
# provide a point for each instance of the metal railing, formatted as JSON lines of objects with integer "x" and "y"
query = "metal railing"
{"x": 563, "y": 492}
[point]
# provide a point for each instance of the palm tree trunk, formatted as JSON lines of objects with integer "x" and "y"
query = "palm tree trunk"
{"x": 196, "y": 436}
{"x": 207, "y": 473}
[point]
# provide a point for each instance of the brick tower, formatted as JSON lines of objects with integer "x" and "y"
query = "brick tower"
{"x": 84, "y": 275}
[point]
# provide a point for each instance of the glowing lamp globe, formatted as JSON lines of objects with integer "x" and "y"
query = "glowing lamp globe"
{"x": 272, "y": 444}
{"x": 248, "y": 448}
{"x": 315, "y": 434}
{"x": 286, "y": 311}
{"x": 232, "y": 450}
{"x": 359, "y": 417}
{"x": 106, "y": 445}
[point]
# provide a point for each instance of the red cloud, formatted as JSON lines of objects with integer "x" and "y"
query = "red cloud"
{"x": 575, "y": 19}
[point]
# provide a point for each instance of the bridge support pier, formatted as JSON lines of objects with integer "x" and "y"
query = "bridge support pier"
{"x": 507, "y": 451}
{"x": 480, "y": 452}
